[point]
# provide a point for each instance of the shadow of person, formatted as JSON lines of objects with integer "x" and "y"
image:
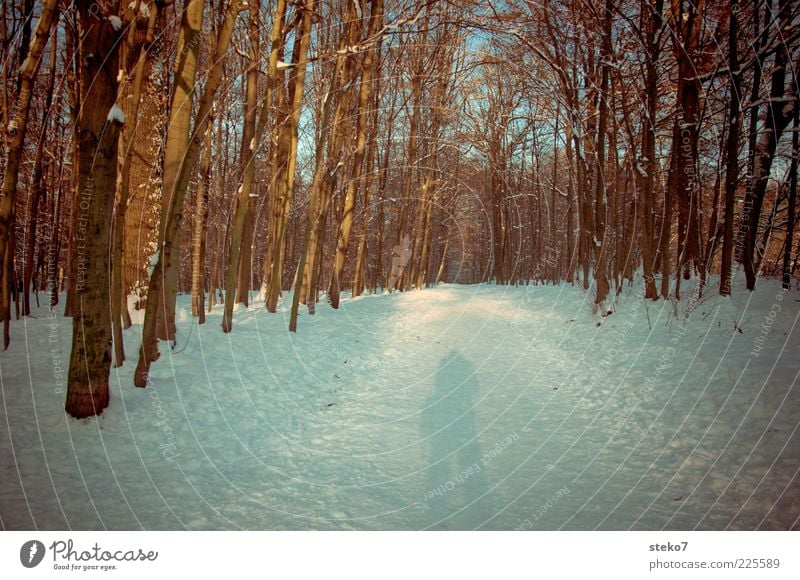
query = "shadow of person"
{"x": 455, "y": 478}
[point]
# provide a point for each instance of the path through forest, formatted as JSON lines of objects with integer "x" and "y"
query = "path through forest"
{"x": 457, "y": 407}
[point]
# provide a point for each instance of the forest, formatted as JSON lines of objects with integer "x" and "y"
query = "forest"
{"x": 235, "y": 151}
{"x": 293, "y": 157}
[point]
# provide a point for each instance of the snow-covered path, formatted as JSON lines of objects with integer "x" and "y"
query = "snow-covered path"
{"x": 457, "y": 407}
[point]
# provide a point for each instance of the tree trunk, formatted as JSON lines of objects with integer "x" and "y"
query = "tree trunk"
{"x": 119, "y": 291}
{"x": 402, "y": 250}
{"x": 361, "y": 254}
{"x": 779, "y": 114}
{"x": 285, "y": 159}
{"x": 36, "y": 185}
{"x": 601, "y": 245}
{"x": 159, "y": 293}
{"x": 345, "y": 226}
{"x": 760, "y": 38}
{"x": 325, "y": 170}
{"x": 54, "y": 250}
{"x": 255, "y": 129}
{"x": 178, "y": 137}
{"x": 686, "y": 132}
{"x": 791, "y": 209}
{"x": 201, "y": 230}
{"x": 90, "y": 359}
{"x": 732, "y": 168}
{"x": 16, "y": 133}
{"x": 647, "y": 187}
{"x": 248, "y": 153}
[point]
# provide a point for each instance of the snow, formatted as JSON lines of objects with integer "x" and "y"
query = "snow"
{"x": 153, "y": 263}
{"x": 115, "y": 22}
{"x": 349, "y": 49}
{"x": 339, "y": 165}
{"x": 116, "y": 114}
{"x": 25, "y": 66}
{"x": 457, "y": 407}
{"x": 144, "y": 9}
